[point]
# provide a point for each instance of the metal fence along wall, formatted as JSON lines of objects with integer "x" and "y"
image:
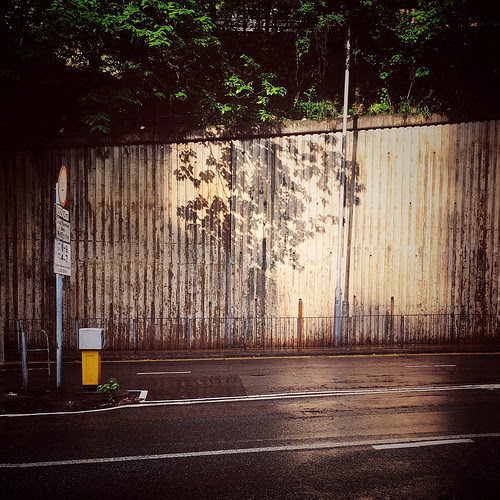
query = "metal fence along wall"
{"x": 160, "y": 334}
{"x": 229, "y": 228}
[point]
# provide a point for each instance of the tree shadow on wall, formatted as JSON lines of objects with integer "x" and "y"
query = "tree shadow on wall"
{"x": 270, "y": 195}
{"x": 207, "y": 212}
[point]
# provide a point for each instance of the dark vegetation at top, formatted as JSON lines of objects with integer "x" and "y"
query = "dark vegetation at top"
{"x": 99, "y": 66}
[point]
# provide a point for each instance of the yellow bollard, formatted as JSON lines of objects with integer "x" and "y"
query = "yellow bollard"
{"x": 90, "y": 342}
{"x": 91, "y": 368}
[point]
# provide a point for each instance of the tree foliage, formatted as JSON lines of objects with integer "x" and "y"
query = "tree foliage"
{"x": 95, "y": 66}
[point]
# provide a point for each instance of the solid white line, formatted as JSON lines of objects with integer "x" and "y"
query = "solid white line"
{"x": 271, "y": 397}
{"x": 162, "y": 373}
{"x": 322, "y": 445}
{"x": 322, "y": 394}
{"x": 395, "y": 446}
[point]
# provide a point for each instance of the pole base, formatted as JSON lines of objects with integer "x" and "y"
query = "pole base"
{"x": 338, "y": 316}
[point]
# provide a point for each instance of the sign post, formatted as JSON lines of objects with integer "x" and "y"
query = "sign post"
{"x": 59, "y": 329}
{"x": 62, "y": 259}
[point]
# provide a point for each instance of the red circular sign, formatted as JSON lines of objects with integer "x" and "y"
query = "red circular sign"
{"x": 62, "y": 186}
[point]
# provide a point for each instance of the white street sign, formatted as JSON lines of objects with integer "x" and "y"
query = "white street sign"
{"x": 61, "y": 212}
{"x": 63, "y": 230}
{"x": 62, "y": 258}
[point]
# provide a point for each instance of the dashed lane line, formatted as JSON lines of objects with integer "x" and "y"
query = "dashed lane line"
{"x": 430, "y": 366}
{"x": 321, "y": 445}
{"x": 419, "y": 444}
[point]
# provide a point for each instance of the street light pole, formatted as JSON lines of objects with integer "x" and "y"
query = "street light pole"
{"x": 338, "y": 289}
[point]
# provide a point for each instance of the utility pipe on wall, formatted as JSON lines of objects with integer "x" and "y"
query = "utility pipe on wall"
{"x": 338, "y": 289}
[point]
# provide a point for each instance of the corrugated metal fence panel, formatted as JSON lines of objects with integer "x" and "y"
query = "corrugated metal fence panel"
{"x": 245, "y": 228}
{"x": 426, "y": 230}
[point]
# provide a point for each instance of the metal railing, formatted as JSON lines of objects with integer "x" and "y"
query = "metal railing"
{"x": 289, "y": 333}
{"x": 26, "y": 348}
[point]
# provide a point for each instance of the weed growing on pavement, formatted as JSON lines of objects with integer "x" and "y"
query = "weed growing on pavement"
{"x": 110, "y": 389}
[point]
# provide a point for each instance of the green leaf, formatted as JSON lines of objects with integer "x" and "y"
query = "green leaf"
{"x": 422, "y": 71}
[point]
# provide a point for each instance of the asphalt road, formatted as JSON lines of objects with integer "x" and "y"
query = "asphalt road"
{"x": 309, "y": 427}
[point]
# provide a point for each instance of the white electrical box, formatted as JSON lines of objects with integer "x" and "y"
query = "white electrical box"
{"x": 90, "y": 339}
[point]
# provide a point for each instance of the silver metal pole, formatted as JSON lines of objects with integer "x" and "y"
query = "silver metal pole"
{"x": 338, "y": 289}
{"x": 18, "y": 329}
{"x": 24, "y": 359}
{"x": 77, "y": 335}
{"x": 59, "y": 328}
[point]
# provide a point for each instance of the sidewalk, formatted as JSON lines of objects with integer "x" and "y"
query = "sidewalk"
{"x": 43, "y": 396}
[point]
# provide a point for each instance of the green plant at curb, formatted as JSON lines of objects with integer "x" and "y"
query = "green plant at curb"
{"x": 111, "y": 389}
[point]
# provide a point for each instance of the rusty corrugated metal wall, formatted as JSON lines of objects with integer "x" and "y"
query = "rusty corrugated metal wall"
{"x": 427, "y": 229}
{"x": 246, "y": 227}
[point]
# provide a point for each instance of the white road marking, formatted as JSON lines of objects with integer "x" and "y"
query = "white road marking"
{"x": 429, "y": 366}
{"x": 413, "y": 444}
{"x": 271, "y": 397}
{"x": 322, "y": 445}
{"x": 163, "y": 373}
{"x": 322, "y": 394}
